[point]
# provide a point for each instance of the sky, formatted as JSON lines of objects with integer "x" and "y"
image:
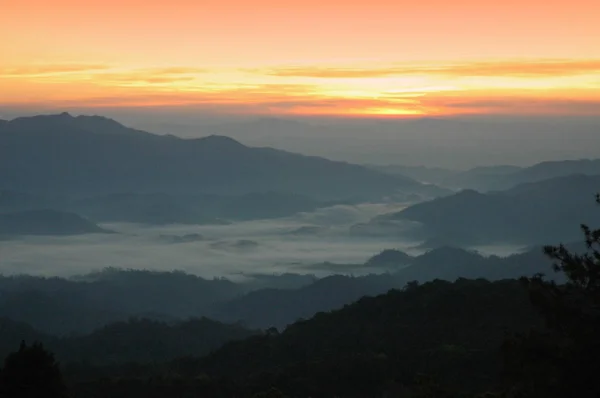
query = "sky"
{"x": 266, "y": 57}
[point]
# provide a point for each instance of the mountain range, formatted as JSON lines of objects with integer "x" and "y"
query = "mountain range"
{"x": 492, "y": 178}
{"x": 92, "y": 155}
{"x": 81, "y": 304}
{"x": 532, "y": 213}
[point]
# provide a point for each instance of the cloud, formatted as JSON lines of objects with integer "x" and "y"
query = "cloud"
{"x": 139, "y": 78}
{"x": 526, "y": 68}
{"x": 45, "y": 70}
{"x": 176, "y": 70}
{"x": 244, "y": 99}
{"x": 103, "y": 74}
{"x": 181, "y": 87}
{"x": 511, "y": 105}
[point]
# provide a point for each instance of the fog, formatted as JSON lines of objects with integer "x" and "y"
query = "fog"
{"x": 280, "y": 246}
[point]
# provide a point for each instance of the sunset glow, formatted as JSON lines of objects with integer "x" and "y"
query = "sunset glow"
{"x": 382, "y": 57}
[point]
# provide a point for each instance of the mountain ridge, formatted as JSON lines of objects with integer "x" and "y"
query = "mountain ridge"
{"x": 91, "y": 154}
{"x": 521, "y": 215}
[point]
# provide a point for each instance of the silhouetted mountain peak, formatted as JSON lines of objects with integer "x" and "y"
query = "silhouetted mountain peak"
{"x": 65, "y": 122}
{"x": 100, "y": 121}
{"x": 447, "y": 253}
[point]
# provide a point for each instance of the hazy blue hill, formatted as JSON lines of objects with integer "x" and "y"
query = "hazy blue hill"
{"x": 192, "y": 209}
{"x": 389, "y": 259}
{"x": 93, "y": 155}
{"x": 534, "y": 213}
{"x": 482, "y": 178}
{"x": 495, "y": 170}
{"x": 46, "y": 222}
{"x": 278, "y": 307}
{"x": 492, "y": 178}
{"x": 563, "y": 187}
{"x": 538, "y": 172}
{"x": 450, "y": 263}
{"x": 64, "y": 306}
{"x": 143, "y": 208}
{"x": 547, "y": 170}
{"x": 164, "y": 208}
{"x": 61, "y": 306}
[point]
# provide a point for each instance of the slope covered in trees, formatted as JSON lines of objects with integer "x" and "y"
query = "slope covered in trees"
{"x": 80, "y": 305}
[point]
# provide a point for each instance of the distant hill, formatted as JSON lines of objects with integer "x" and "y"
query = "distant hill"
{"x": 145, "y": 209}
{"x": 193, "y": 209}
{"x": 280, "y": 307}
{"x": 389, "y": 258}
{"x": 163, "y": 208}
{"x": 492, "y": 178}
{"x": 82, "y": 304}
{"x": 91, "y": 155}
{"x": 79, "y": 305}
{"x": 46, "y": 222}
{"x": 533, "y": 213}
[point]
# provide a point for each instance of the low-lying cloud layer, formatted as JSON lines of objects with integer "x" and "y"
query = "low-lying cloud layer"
{"x": 224, "y": 250}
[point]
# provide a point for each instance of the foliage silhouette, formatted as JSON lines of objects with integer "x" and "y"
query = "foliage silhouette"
{"x": 563, "y": 359}
{"x": 31, "y": 372}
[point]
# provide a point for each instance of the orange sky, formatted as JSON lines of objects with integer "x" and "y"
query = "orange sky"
{"x": 376, "y": 57}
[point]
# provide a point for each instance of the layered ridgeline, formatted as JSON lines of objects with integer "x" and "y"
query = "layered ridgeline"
{"x": 93, "y": 155}
{"x": 45, "y": 222}
{"x": 450, "y": 331}
{"x": 531, "y": 213}
{"x": 375, "y": 347}
{"x": 80, "y": 305}
{"x": 163, "y": 208}
{"x": 491, "y": 178}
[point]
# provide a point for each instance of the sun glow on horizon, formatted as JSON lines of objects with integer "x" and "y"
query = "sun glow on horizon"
{"x": 305, "y": 58}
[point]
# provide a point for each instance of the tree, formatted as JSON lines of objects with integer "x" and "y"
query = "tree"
{"x": 562, "y": 360}
{"x": 31, "y": 372}
{"x": 271, "y": 393}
